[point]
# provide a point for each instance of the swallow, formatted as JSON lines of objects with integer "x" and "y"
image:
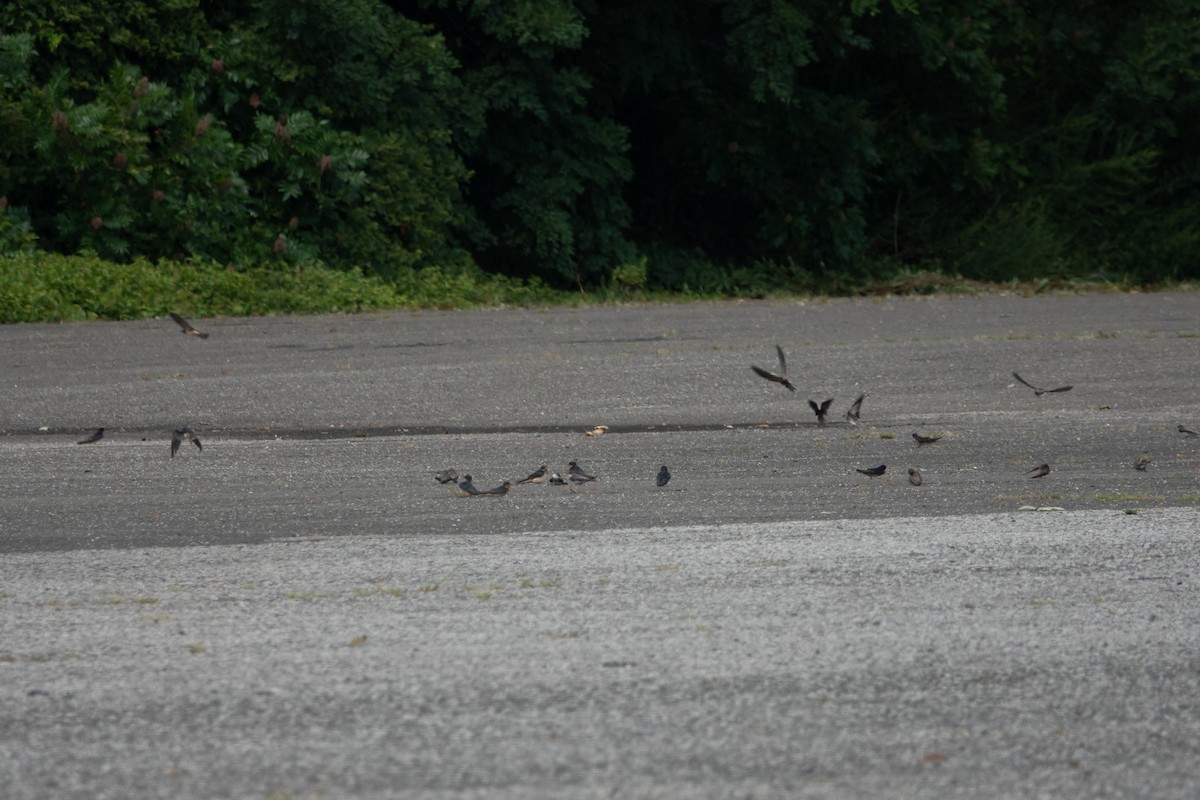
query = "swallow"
{"x": 922, "y": 440}
{"x": 466, "y": 488}
{"x": 500, "y": 490}
{"x": 914, "y": 476}
{"x": 663, "y": 476}
{"x": 771, "y": 376}
{"x": 537, "y": 476}
{"x": 873, "y": 472}
{"x": 820, "y": 410}
{"x": 1143, "y": 460}
{"x": 1188, "y": 432}
{"x": 1039, "y": 391}
{"x": 1039, "y": 471}
{"x": 557, "y": 480}
{"x": 177, "y": 437}
{"x": 446, "y": 476}
{"x": 578, "y": 474}
{"x": 855, "y": 409}
{"x": 93, "y": 438}
{"x": 188, "y": 330}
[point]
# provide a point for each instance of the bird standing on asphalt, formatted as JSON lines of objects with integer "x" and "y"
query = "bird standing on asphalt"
{"x": 92, "y": 438}
{"x": 855, "y": 410}
{"x": 500, "y": 490}
{"x": 820, "y": 410}
{"x": 914, "y": 476}
{"x": 539, "y": 475}
{"x": 873, "y": 472}
{"x": 186, "y": 327}
{"x": 922, "y": 440}
{"x": 1188, "y": 432}
{"x": 1142, "y": 462}
{"x": 663, "y": 476}
{"x": 782, "y": 377}
{"x": 1038, "y": 390}
{"x": 446, "y": 476}
{"x": 1040, "y": 471}
{"x": 578, "y": 473}
{"x": 466, "y": 488}
{"x": 179, "y": 434}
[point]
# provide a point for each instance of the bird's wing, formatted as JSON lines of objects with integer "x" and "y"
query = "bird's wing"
{"x": 762, "y": 373}
{"x": 196, "y": 442}
{"x": 1027, "y": 383}
{"x": 782, "y": 361}
{"x": 825, "y": 406}
{"x": 1060, "y": 389}
{"x": 175, "y": 440}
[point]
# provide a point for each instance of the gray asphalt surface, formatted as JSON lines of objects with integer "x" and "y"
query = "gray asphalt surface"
{"x": 300, "y": 611}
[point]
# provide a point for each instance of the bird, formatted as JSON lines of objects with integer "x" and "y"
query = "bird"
{"x": 855, "y": 409}
{"x": 557, "y": 480}
{"x": 914, "y": 476}
{"x": 873, "y": 472}
{"x": 188, "y": 330}
{"x": 177, "y": 437}
{"x": 599, "y": 430}
{"x": 578, "y": 473}
{"x": 1142, "y": 462}
{"x": 446, "y": 476}
{"x": 500, "y": 490}
{"x": 466, "y": 488}
{"x": 771, "y": 376}
{"x": 663, "y": 476}
{"x": 922, "y": 440}
{"x": 820, "y": 410}
{"x": 1040, "y": 471}
{"x": 1038, "y": 390}
{"x": 92, "y": 438}
{"x": 1188, "y": 432}
{"x": 537, "y": 476}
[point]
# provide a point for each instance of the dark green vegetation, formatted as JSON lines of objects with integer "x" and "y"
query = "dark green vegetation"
{"x": 248, "y": 157}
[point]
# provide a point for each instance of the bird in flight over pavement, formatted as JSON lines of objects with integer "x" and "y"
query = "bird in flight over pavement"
{"x": 820, "y": 410}
{"x": 855, "y": 410}
{"x": 177, "y": 437}
{"x": 1037, "y": 390}
{"x": 782, "y": 377}
{"x": 186, "y": 326}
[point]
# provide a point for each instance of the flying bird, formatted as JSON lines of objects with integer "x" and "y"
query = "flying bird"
{"x": 1038, "y": 390}
{"x": 922, "y": 440}
{"x": 578, "y": 473}
{"x": 771, "y": 376}
{"x": 177, "y": 437}
{"x": 446, "y": 476}
{"x": 820, "y": 410}
{"x": 188, "y": 330}
{"x": 1040, "y": 471}
{"x": 855, "y": 409}
{"x": 92, "y": 438}
{"x": 873, "y": 472}
{"x": 1188, "y": 432}
{"x": 663, "y": 476}
{"x": 500, "y": 490}
{"x": 537, "y": 476}
{"x": 1142, "y": 462}
{"x": 914, "y": 476}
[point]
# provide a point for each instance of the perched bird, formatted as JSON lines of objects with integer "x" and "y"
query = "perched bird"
{"x": 1188, "y": 432}
{"x": 557, "y": 480}
{"x": 1038, "y": 390}
{"x": 93, "y": 437}
{"x": 578, "y": 474}
{"x": 1040, "y": 471}
{"x": 1143, "y": 460}
{"x": 177, "y": 437}
{"x": 466, "y": 487}
{"x": 920, "y": 440}
{"x": 539, "y": 475}
{"x": 873, "y": 472}
{"x": 188, "y": 330}
{"x": 664, "y": 475}
{"x": 446, "y": 476}
{"x": 855, "y": 409}
{"x": 914, "y": 476}
{"x": 500, "y": 490}
{"x": 820, "y": 410}
{"x": 771, "y": 376}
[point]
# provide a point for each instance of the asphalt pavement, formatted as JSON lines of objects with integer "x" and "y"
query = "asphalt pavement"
{"x": 300, "y": 611}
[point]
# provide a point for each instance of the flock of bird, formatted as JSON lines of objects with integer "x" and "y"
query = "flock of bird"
{"x": 578, "y": 475}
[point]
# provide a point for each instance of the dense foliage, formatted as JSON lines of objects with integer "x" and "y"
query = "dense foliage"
{"x": 710, "y": 145}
